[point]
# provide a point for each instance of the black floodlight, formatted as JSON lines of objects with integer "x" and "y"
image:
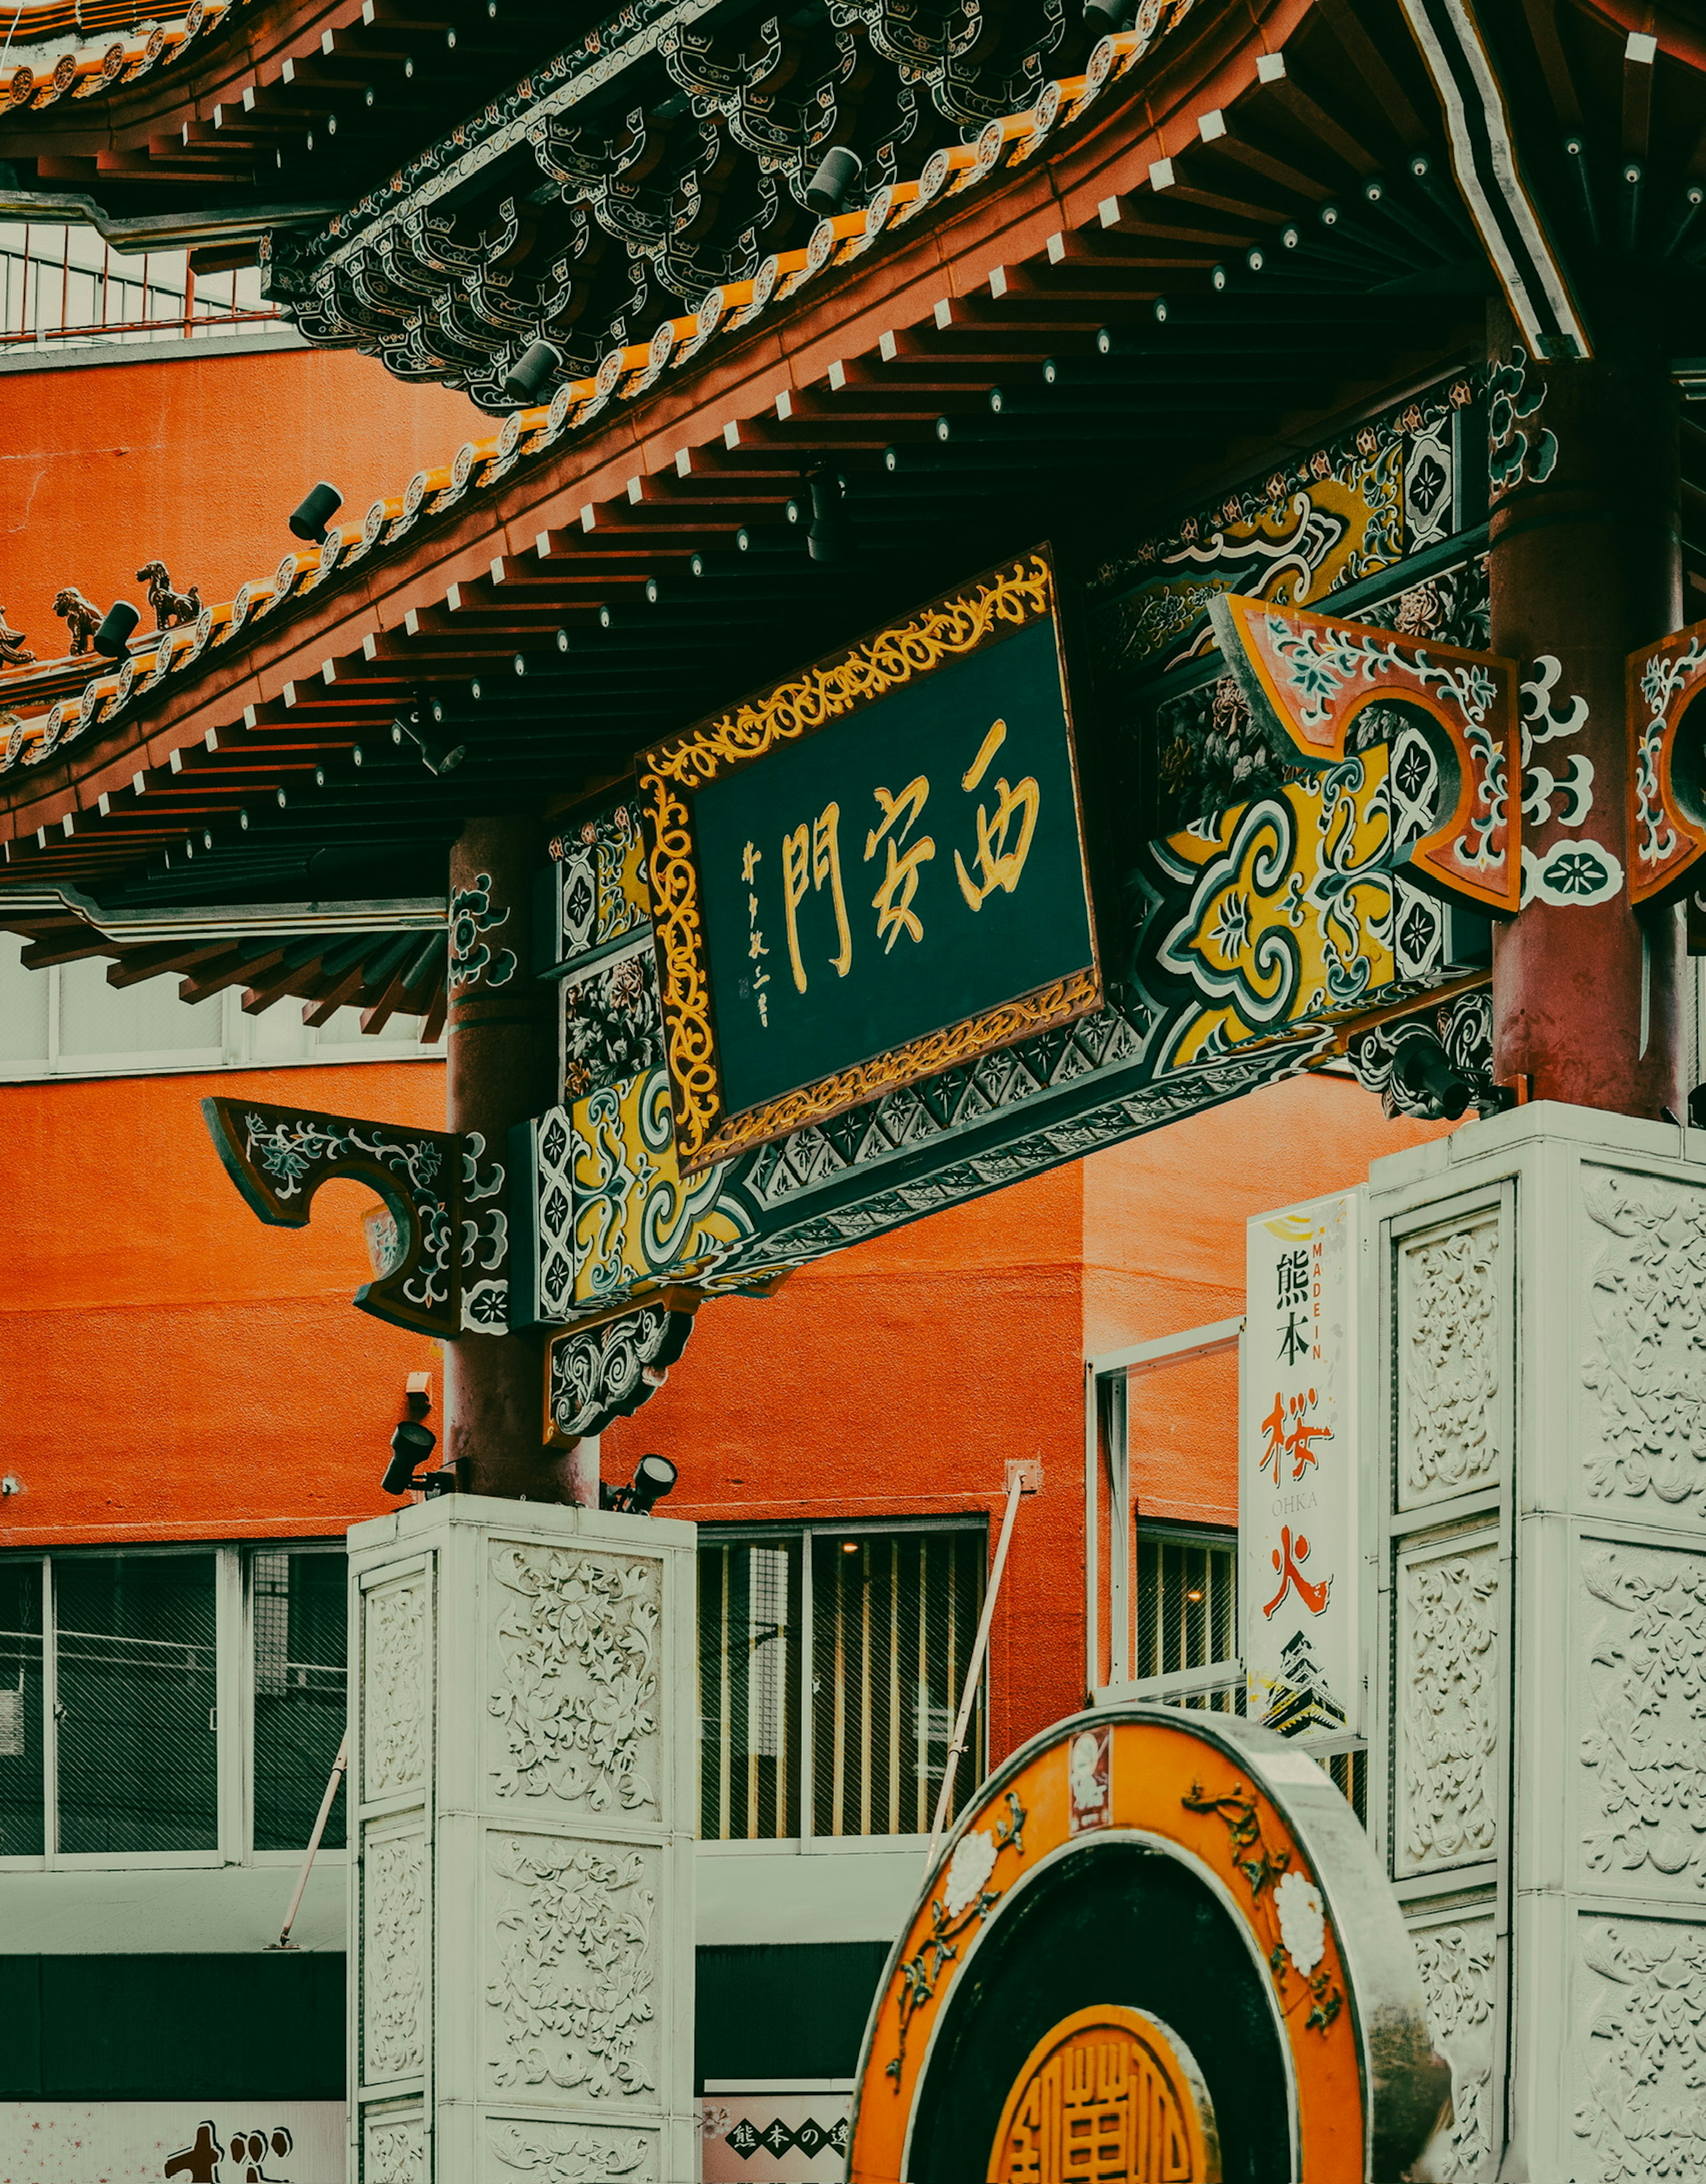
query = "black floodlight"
{"x": 838, "y": 171}
{"x": 1697, "y": 1108}
{"x": 529, "y": 376}
{"x": 438, "y": 759}
{"x": 113, "y": 638}
{"x": 1424, "y": 1071}
{"x": 309, "y": 518}
{"x": 829, "y": 538}
{"x": 411, "y": 1444}
{"x": 654, "y": 1476}
{"x": 1106, "y": 16}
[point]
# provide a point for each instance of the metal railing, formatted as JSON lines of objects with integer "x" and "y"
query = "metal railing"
{"x": 65, "y": 285}
{"x": 831, "y": 1664}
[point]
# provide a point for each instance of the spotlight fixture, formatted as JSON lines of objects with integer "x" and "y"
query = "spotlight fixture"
{"x": 837, "y": 172}
{"x": 1423, "y": 1069}
{"x": 829, "y": 537}
{"x": 654, "y": 1476}
{"x": 113, "y": 638}
{"x": 1697, "y": 1108}
{"x": 309, "y": 518}
{"x": 529, "y": 376}
{"x": 1103, "y": 17}
{"x": 411, "y": 1444}
{"x": 438, "y": 759}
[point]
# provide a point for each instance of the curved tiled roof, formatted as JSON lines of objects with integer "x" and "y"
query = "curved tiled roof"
{"x": 172, "y": 137}
{"x": 83, "y": 67}
{"x": 86, "y": 692}
{"x": 1089, "y": 328}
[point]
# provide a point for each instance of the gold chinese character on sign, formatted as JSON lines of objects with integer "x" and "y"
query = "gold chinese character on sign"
{"x": 1003, "y": 836}
{"x": 810, "y": 855}
{"x": 1108, "y": 2097}
{"x": 893, "y": 901}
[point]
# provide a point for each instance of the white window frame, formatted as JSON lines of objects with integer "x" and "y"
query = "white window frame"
{"x": 237, "y": 1047}
{"x": 1107, "y": 1461}
{"x": 235, "y": 1704}
{"x": 807, "y": 1841}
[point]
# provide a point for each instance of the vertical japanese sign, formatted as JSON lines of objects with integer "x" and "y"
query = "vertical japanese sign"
{"x": 1298, "y": 1470}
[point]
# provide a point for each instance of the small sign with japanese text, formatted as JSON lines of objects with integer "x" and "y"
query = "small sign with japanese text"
{"x": 1297, "y": 1471}
{"x": 873, "y": 871}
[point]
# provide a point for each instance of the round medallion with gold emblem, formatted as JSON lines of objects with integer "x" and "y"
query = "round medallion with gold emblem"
{"x": 1156, "y": 1950}
{"x": 1110, "y": 2095}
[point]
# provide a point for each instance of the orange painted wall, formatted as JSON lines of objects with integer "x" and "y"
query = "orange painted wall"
{"x": 896, "y": 1379}
{"x": 1163, "y": 1251}
{"x": 196, "y": 460}
{"x": 170, "y": 1368}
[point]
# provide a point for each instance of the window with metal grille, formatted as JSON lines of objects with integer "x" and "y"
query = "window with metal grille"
{"x": 298, "y": 1616}
{"x": 832, "y": 1668}
{"x": 128, "y": 1711}
{"x": 21, "y": 1814}
{"x": 1187, "y": 1611}
{"x": 749, "y": 1688}
{"x": 136, "y": 1700}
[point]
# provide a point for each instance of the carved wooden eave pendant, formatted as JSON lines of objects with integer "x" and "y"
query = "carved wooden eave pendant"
{"x": 440, "y": 1249}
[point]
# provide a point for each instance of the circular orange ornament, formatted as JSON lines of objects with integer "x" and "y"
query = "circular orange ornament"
{"x": 1156, "y": 1945}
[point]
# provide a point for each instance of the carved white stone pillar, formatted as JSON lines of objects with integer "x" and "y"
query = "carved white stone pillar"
{"x": 1537, "y": 1431}
{"x": 523, "y": 1777}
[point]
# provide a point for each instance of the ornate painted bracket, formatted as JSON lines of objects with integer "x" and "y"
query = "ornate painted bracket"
{"x": 441, "y": 1259}
{"x": 1667, "y": 770}
{"x": 1307, "y": 677}
{"x": 1393, "y": 1058}
{"x": 595, "y": 1375}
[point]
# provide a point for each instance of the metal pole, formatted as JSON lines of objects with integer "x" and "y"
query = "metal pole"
{"x": 338, "y": 1765}
{"x": 974, "y": 1673}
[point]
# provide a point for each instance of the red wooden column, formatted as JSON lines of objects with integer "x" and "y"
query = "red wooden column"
{"x": 500, "y": 1040}
{"x": 1585, "y": 565}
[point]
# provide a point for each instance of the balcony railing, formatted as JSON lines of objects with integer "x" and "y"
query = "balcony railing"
{"x": 63, "y": 286}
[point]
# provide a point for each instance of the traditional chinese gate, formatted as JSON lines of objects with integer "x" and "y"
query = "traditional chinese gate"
{"x": 1393, "y": 713}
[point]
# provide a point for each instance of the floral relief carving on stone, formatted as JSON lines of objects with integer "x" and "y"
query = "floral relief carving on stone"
{"x": 1640, "y": 2074}
{"x": 577, "y": 1682}
{"x": 1644, "y": 1736}
{"x": 393, "y": 1957}
{"x": 395, "y": 1668}
{"x": 570, "y": 2000}
{"x": 571, "y": 2154}
{"x": 1450, "y": 1415}
{"x": 394, "y": 2150}
{"x": 1447, "y": 1707}
{"x": 1646, "y": 1358}
{"x": 1456, "y": 1964}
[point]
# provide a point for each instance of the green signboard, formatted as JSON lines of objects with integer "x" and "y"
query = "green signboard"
{"x": 871, "y": 871}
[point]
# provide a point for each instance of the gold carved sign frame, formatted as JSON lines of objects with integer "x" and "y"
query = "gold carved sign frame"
{"x": 984, "y": 611}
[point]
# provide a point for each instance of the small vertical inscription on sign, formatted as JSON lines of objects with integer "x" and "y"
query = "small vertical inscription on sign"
{"x": 1298, "y": 1470}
